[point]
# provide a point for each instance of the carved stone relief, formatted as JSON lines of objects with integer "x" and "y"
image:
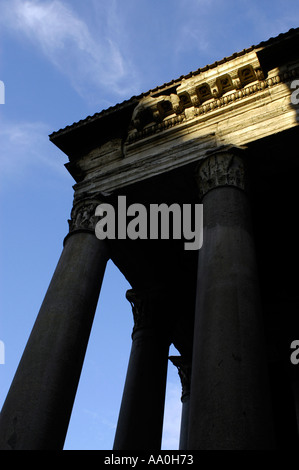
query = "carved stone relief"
{"x": 184, "y": 371}
{"x": 222, "y": 168}
{"x": 197, "y": 97}
{"x": 83, "y": 215}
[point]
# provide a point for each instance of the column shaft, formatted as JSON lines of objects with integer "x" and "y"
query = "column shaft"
{"x": 183, "y": 444}
{"x": 230, "y": 405}
{"x": 38, "y": 406}
{"x": 141, "y": 414}
{"x": 184, "y": 370}
{"x": 140, "y": 421}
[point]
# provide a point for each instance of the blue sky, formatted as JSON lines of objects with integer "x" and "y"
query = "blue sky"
{"x": 60, "y": 61}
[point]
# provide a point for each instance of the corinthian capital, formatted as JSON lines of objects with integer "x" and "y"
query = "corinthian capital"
{"x": 83, "y": 215}
{"x": 137, "y": 303}
{"x": 184, "y": 371}
{"x": 221, "y": 167}
{"x": 150, "y": 310}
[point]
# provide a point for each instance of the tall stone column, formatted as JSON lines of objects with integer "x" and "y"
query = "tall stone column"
{"x": 141, "y": 414}
{"x": 38, "y": 406}
{"x": 230, "y": 405}
{"x": 184, "y": 370}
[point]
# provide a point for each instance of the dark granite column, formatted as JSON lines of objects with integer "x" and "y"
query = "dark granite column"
{"x": 38, "y": 406}
{"x": 184, "y": 370}
{"x": 229, "y": 406}
{"x": 141, "y": 414}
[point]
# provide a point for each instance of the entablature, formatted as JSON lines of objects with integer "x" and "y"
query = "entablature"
{"x": 235, "y": 101}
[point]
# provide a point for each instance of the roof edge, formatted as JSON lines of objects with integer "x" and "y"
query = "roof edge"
{"x": 135, "y": 98}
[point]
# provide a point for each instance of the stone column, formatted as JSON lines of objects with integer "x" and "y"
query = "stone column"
{"x": 38, "y": 406}
{"x": 184, "y": 370}
{"x": 141, "y": 414}
{"x": 230, "y": 404}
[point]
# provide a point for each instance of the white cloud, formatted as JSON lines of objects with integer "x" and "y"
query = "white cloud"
{"x": 88, "y": 59}
{"x": 23, "y": 146}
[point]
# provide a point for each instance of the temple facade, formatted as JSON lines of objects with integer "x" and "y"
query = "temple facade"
{"x": 223, "y": 137}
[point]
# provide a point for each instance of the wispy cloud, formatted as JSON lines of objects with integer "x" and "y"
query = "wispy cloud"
{"x": 23, "y": 146}
{"x": 194, "y": 32}
{"x": 91, "y": 59}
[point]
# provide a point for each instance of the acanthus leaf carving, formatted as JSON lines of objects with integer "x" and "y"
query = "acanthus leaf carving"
{"x": 222, "y": 167}
{"x": 184, "y": 371}
{"x": 83, "y": 215}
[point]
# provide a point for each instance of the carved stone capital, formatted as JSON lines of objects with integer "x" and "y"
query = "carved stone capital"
{"x": 184, "y": 371}
{"x": 83, "y": 215}
{"x": 137, "y": 303}
{"x": 222, "y": 167}
{"x": 149, "y": 311}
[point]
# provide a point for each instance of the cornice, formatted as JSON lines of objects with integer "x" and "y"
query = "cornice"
{"x": 236, "y": 94}
{"x": 56, "y": 136}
